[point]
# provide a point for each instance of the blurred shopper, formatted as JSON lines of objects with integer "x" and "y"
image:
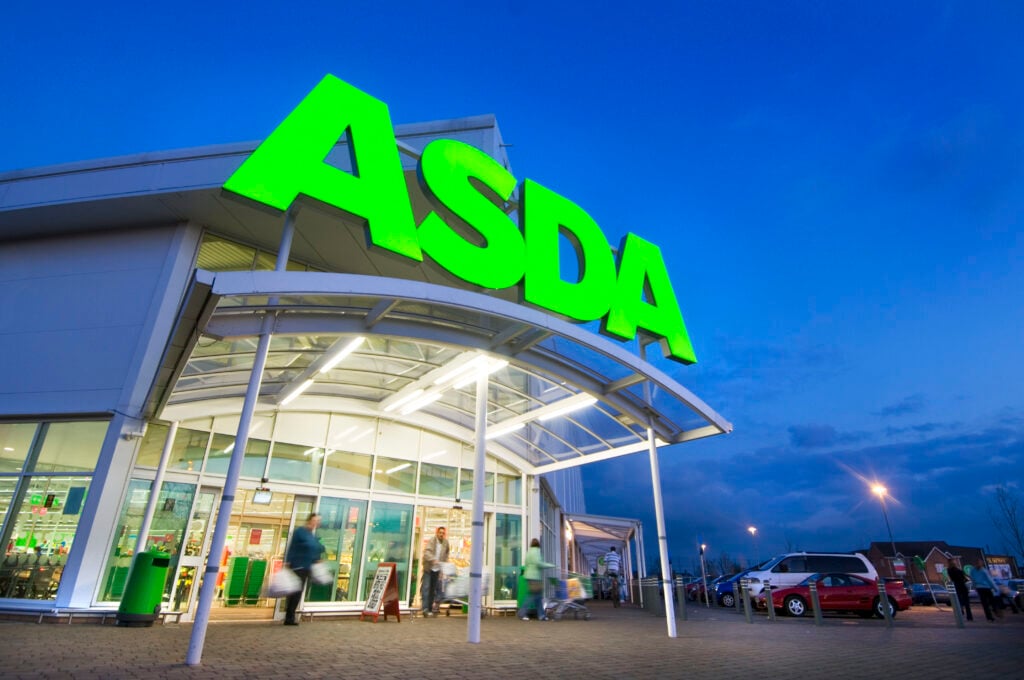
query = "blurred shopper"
{"x": 986, "y": 589}
{"x": 533, "y": 571}
{"x": 303, "y": 550}
{"x": 434, "y": 553}
{"x": 613, "y": 567}
{"x": 959, "y": 579}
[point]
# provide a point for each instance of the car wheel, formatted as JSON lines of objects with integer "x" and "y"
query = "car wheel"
{"x": 795, "y": 605}
{"x": 876, "y": 607}
{"x": 728, "y": 600}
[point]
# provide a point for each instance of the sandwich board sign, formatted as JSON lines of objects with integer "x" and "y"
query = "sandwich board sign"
{"x": 383, "y": 596}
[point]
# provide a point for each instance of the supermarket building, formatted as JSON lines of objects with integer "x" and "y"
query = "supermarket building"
{"x": 157, "y": 312}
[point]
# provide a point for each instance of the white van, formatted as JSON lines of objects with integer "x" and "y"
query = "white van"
{"x": 792, "y": 568}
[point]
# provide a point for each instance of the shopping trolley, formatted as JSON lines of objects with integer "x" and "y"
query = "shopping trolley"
{"x": 455, "y": 587}
{"x": 570, "y": 593}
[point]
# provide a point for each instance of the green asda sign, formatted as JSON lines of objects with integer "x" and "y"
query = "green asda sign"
{"x": 632, "y": 295}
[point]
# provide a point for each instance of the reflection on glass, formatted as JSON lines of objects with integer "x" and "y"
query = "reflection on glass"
{"x": 347, "y": 469}
{"x": 15, "y": 440}
{"x": 296, "y": 463}
{"x": 508, "y": 489}
{"x": 388, "y": 541}
{"x": 254, "y": 462}
{"x": 507, "y": 555}
{"x": 394, "y": 474}
{"x": 437, "y": 480}
{"x": 166, "y": 531}
{"x": 466, "y": 485}
{"x": 71, "y": 447}
{"x": 341, "y": 532}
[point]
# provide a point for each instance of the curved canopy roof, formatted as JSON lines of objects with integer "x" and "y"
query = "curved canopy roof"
{"x": 558, "y": 395}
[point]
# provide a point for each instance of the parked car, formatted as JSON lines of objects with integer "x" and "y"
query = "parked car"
{"x": 921, "y": 593}
{"x": 725, "y": 590}
{"x": 695, "y": 591}
{"x": 790, "y": 569}
{"x": 839, "y": 593}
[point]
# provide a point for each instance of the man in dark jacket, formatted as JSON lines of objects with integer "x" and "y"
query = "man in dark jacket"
{"x": 959, "y": 579}
{"x": 303, "y": 550}
{"x": 435, "y": 552}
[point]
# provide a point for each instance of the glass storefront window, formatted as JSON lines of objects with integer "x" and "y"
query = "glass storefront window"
{"x": 466, "y": 485}
{"x": 388, "y": 541}
{"x": 347, "y": 469}
{"x": 394, "y": 474}
{"x": 45, "y": 519}
{"x": 71, "y": 447}
{"x": 296, "y": 463}
{"x": 341, "y": 532}
{"x": 437, "y": 480}
{"x": 166, "y": 532}
{"x": 15, "y": 440}
{"x": 507, "y": 555}
{"x": 187, "y": 451}
{"x": 254, "y": 463}
{"x": 508, "y": 489}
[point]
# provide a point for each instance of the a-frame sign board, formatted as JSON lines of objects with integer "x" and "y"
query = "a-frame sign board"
{"x": 383, "y": 596}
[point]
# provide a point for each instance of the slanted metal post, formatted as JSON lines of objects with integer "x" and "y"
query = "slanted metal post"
{"x": 768, "y": 601}
{"x": 883, "y": 602}
{"x": 815, "y": 602}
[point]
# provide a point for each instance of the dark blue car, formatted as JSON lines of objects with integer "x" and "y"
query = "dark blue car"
{"x": 725, "y": 590}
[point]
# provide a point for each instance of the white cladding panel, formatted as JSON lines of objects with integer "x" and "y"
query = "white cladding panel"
{"x": 75, "y": 313}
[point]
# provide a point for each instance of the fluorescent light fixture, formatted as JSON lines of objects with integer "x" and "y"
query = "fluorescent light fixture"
{"x": 298, "y": 390}
{"x": 342, "y": 353}
{"x": 309, "y": 451}
{"x": 495, "y": 365}
{"x": 404, "y": 400}
{"x": 423, "y": 400}
{"x": 435, "y": 454}
{"x": 397, "y": 468}
{"x": 8, "y": 448}
{"x": 573, "y": 403}
{"x": 500, "y": 431}
{"x": 470, "y": 365}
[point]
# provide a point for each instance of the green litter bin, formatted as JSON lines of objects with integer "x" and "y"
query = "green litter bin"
{"x": 144, "y": 591}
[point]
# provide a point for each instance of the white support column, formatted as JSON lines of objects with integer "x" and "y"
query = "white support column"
{"x": 659, "y": 513}
{"x": 154, "y": 491}
{"x": 476, "y": 549}
{"x": 227, "y": 499}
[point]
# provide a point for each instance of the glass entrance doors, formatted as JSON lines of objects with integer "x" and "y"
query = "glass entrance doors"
{"x": 459, "y": 523}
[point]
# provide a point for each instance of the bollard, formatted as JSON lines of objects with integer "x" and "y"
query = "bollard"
{"x": 815, "y": 603}
{"x": 681, "y": 590}
{"x": 736, "y": 595}
{"x": 745, "y": 594}
{"x": 954, "y": 604}
{"x": 883, "y": 602}
{"x": 769, "y": 602}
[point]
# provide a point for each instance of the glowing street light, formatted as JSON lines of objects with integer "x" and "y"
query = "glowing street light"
{"x": 753, "y": 536}
{"x": 882, "y": 492}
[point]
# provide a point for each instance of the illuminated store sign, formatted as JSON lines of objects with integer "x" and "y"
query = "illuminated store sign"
{"x": 629, "y": 296}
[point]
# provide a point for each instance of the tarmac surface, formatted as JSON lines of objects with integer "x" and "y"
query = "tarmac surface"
{"x": 615, "y": 643}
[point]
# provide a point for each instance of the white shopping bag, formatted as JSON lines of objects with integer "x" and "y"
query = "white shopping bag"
{"x": 283, "y": 583}
{"x": 320, "y": 574}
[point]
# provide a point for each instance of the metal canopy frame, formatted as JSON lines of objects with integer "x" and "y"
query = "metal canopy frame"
{"x": 414, "y": 332}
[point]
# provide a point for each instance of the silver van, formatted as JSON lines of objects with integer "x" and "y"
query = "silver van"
{"x": 790, "y": 569}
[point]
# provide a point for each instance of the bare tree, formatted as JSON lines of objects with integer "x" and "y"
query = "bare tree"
{"x": 1007, "y": 514}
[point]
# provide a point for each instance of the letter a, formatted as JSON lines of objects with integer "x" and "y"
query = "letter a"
{"x": 291, "y": 162}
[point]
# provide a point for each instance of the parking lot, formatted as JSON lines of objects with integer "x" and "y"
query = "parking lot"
{"x": 616, "y": 643}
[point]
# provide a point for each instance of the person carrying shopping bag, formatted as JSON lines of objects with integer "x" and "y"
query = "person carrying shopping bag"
{"x": 533, "y": 571}
{"x": 303, "y": 550}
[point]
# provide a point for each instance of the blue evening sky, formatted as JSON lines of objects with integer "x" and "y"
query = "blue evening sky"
{"x": 837, "y": 188}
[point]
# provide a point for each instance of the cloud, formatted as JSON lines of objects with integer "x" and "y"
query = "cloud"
{"x": 820, "y": 436}
{"x": 912, "y": 404}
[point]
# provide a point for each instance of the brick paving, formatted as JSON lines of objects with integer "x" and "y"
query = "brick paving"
{"x": 615, "y": 643}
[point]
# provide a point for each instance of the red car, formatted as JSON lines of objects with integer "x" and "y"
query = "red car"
{"x": 839, "y": 593}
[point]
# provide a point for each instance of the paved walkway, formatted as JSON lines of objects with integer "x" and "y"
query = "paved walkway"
{"x": 615, "y": 643}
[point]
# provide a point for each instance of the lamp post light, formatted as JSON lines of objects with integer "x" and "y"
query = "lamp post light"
{"x": 882, "y": 492}
{"x": 753, "y": 535}
{"x": 704, "y": 574}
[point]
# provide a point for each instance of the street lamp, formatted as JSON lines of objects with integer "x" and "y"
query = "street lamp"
{"x": 704, "y": 574}
{"x": 881, "y": 492}
{"x": 753, "y": 535}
